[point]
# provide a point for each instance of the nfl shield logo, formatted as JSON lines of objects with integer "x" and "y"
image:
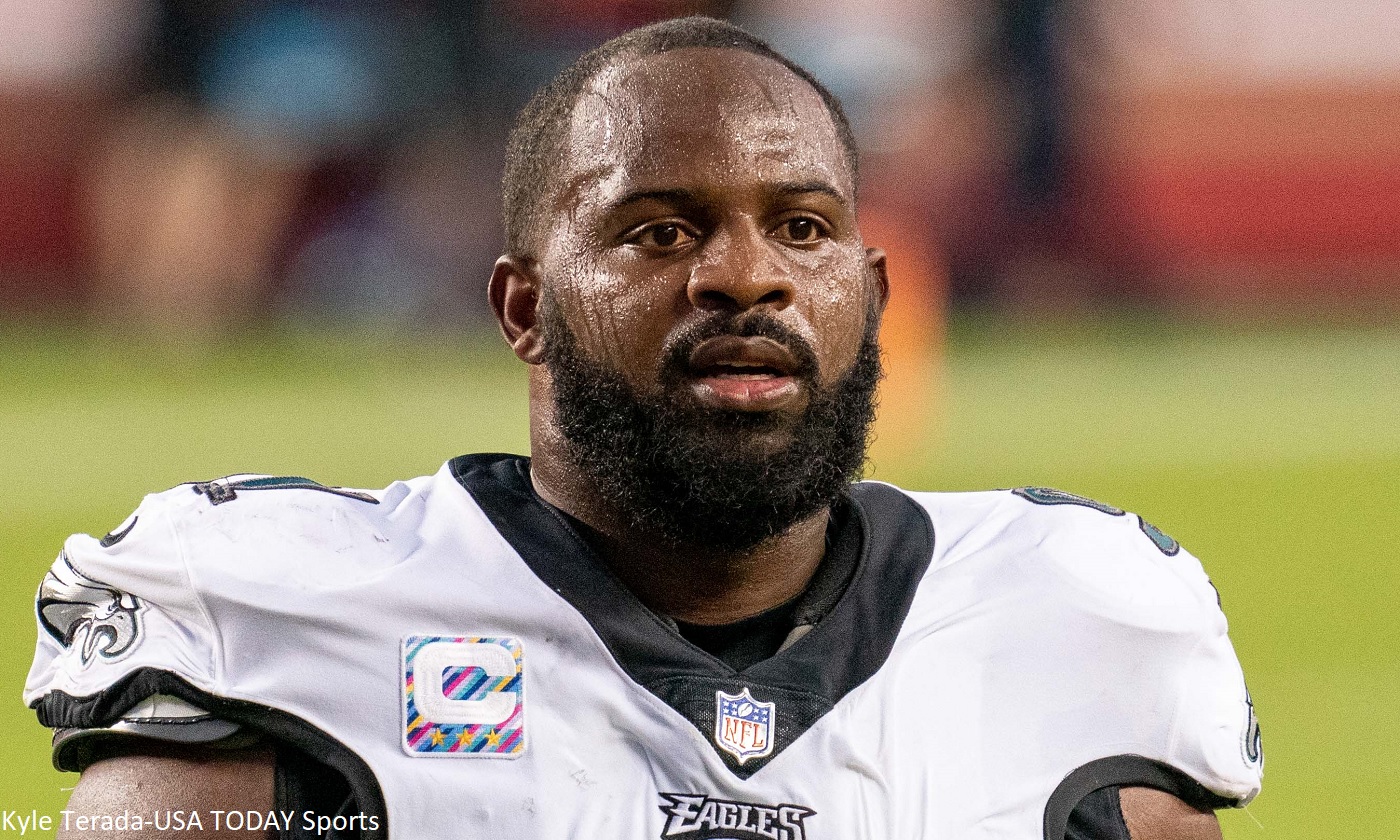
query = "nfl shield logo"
{"x": 744, "y": 726}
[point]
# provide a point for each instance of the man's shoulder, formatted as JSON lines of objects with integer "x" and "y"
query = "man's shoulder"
{"x": 273, "y": 524}
{"x": 1101, "y": 557}
{"x": 194, "y": 565}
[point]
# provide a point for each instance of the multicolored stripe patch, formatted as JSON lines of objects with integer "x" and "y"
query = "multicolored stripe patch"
{"x": 463, "y": 696}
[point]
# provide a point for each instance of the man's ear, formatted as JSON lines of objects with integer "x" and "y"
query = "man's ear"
{"x": 515, "y": 298}
{"x": 875, "y": 260}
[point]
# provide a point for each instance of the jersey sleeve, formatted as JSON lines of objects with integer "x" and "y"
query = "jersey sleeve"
{"x": 1215, "y": 733}
{"x": 121, "y": 633}
{"x": 1154, "y": 598}
{"x": 1145, "y": 624}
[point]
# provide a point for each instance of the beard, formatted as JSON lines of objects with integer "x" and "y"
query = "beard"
{"x": 692, "y": 475}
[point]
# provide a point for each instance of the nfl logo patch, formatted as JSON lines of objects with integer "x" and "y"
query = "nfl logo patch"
{"x": 463, "y": 696}
{"x": 744, "y": 726}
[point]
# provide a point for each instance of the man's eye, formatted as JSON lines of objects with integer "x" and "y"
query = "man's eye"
{"x": 802, "y": 229}
{"x": 662, "y": 236}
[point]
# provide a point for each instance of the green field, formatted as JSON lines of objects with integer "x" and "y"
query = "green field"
{"x": 1271, "y": 453}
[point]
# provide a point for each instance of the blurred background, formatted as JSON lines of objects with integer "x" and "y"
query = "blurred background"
{"x": 219, "y": 163}
{"x": 1148, "y": 252}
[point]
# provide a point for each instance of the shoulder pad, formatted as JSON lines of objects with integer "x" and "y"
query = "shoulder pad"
{"x": 159, "y": 717}
{"x": 1051, "y": 496}
{"x": 1126, "y": 564}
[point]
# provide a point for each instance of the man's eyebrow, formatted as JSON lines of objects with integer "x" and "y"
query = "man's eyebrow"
{"x": 788, "y": 190}
{"x": 681, "y": 197}
{"x": 677, "y": 197}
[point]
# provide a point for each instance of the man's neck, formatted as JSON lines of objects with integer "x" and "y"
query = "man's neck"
{"x": 694, "y": 584}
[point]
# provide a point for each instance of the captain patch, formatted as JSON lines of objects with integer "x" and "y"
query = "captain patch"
{"x": 463, "y": 696}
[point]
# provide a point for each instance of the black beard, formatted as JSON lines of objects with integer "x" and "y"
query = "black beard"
{"x": 695, "y": 476}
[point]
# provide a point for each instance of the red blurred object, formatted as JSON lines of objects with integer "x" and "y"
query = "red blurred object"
{"x": 43, "y": 141}
{"x": 37, "y": 223}
{"x": 1284, "y": 194}
{"x": 1295, "y": 210}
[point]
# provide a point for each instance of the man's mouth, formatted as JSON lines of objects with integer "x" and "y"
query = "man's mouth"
{"x": 744, "y": 374}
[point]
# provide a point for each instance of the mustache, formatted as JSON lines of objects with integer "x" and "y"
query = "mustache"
{"x": 739, "y": 325}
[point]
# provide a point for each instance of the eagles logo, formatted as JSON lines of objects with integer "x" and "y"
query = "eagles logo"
{"x": 698, "y": 817}
{"x": 88, "y": 615}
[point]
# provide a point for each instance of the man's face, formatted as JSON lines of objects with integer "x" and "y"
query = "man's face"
{"x": 709, "y": 307}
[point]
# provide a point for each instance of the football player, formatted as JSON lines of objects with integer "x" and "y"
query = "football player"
{"x": 680, "y": 618}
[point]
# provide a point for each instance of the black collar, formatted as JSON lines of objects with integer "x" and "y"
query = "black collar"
{"x": 848, "y": 644}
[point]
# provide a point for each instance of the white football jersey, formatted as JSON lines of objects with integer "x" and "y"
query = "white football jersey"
{"x": 453, "y": 647}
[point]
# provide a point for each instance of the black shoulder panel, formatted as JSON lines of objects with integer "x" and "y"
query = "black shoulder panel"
{"x": 1098, "y": 816}
{"x": 58, "y": 710}
{"x": 1124, "y": 771}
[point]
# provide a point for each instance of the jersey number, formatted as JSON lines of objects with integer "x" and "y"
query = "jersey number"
{"x": 1050, "y": 496}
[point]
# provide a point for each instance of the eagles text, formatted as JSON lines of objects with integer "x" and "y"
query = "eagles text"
{"x": 698, "y": 817}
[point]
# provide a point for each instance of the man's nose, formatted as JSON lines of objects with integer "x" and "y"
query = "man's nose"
{"x": 740, "y": 270}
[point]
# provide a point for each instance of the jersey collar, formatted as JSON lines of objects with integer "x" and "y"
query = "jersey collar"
{"x": 890, "y": 534}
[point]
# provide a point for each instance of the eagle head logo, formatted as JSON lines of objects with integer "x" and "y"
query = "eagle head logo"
{"x": 87, "y": 615}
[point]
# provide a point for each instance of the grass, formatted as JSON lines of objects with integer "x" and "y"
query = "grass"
{"x": 1272, "y": 453}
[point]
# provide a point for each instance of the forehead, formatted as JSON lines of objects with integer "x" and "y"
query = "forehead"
{"x": 700, "y": 118}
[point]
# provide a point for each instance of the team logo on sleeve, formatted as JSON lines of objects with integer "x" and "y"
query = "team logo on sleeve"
{"x": 86, "y": 615}
{"x": 463, "y": 696}
{"x": 1253, "y": 738}
{"x": 692, "y": 816}
{"x": 743, "y": 725}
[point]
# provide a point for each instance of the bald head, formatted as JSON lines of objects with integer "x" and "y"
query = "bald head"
{"x": 541, "y": 152}
{"x": 727, "y": 119}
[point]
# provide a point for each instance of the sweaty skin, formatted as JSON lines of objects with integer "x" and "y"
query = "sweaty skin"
{"x": 695, "y": 180}
{"x": 1154, "y": 815}
{"x": 693, "y": 185}
{"x": 174, "y": 779}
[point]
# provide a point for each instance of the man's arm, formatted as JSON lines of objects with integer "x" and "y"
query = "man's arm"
{"x": 1154, "y": 815}
{"x": 168, "y": 779}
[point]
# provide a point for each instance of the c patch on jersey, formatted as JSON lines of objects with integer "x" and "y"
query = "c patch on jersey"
{"x": 88, "y": 615}
{"x": 463, "y": 696}
{"x": 743, "y": 725}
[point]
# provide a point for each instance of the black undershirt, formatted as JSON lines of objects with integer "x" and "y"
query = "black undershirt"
{"x": 755, "y": 638}
{"x": 747, "y": 641}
